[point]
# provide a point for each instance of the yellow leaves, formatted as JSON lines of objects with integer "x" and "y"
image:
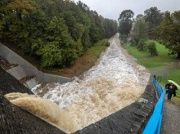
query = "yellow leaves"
{"x": 24, "y": 5}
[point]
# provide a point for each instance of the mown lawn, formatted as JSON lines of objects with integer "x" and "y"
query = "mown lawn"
{"x": 157, "y": 63}
{"x": 146, "y": 60}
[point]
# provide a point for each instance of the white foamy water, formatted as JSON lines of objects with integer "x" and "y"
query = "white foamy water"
{"x": 113, "y": 83}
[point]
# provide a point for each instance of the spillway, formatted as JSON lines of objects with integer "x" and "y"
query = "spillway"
{"x": 113, "y": 83}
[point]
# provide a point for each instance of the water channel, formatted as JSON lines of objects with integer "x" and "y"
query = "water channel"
{"x": 113, "y": 83}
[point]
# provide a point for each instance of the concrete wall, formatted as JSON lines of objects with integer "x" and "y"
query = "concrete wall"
{"x": 17, "y": 72}
{"x": 130, "y": 120}
{"x": 28, "y": 68}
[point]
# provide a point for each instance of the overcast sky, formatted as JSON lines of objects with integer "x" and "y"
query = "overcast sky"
{"x": 112, "y": 8}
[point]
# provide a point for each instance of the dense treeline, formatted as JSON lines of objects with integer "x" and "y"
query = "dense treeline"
{"x": 163, "y": 27}
{"x": 55, "y": 31}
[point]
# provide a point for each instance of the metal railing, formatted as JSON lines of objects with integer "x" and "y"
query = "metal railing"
{"x": 154, "y": 124}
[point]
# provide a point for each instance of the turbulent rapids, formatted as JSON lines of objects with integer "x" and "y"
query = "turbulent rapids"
{"x": 113, "y": 83}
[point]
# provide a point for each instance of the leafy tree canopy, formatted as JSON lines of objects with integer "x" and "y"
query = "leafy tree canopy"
{"x": 169, "y": 32}
{"x": 55, "y": 31}
{"x": 153, "y": 17}
{"x": 125, "y": 21}
{"x": 140, "y": 29}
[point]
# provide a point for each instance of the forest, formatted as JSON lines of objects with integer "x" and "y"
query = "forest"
{"x": 56, "y": 32}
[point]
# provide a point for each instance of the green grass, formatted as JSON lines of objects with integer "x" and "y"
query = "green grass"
{"x": 98, "y": 48}
{"x": 83, "y": 63}
{"x": 157, "y": 63}
{"x": 146, "y": 60}
{"x": 135, "y": 52}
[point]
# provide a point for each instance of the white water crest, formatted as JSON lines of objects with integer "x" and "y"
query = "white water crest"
{"x": 114, "y": 82}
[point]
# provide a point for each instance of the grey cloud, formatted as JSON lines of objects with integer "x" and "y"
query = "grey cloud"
{"x": 112, "y": 8}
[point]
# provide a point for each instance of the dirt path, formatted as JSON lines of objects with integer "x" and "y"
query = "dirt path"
{"x": 171, "y": 118}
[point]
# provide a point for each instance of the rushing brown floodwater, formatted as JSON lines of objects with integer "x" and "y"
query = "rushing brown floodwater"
{"x": 113, "y": 83}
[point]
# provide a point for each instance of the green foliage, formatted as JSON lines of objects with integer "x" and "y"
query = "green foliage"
{"x": 153, "y": 17}
{"x": 98, "y": 48}
{"x": 109, "y": 31}
{"x": 151, "y": 61}
{"x": 38, "y": 44}
{"x": 151, "y": 46}
{"x": 169, "y": 32}
{"x": 123, "y": 38}
{"x": 125, "y": 21}
{"x": 140, "y": 30}
{"x": 51, "y": 55}
{"x": 141, "y": 45}
{"x": 86, "y": 39}
{"x": 133, "y": 50}
{"x": 56, "y": 32}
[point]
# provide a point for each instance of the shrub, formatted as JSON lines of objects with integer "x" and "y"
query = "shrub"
{"x": 141, "y": 45}
{"x": 151, "y": 47}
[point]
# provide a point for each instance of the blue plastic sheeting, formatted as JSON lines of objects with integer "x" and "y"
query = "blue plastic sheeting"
{"x": 154, "y": 124}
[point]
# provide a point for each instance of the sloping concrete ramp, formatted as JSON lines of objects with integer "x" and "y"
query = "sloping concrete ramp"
{"x": 129, "y": 120}
{"x": 14, "y": 120}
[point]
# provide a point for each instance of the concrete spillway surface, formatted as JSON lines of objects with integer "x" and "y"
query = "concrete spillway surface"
{"x": 112, "y": 84}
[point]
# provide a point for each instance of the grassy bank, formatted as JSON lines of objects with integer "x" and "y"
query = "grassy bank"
{"x": 163, "y": 65}
{"x": 86, "y": 61}
{"x": 83, "y": 63}
{"x": 146, "y": 60}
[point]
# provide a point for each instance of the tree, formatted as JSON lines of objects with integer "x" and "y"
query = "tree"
{"x": 75, "y": 29}
{"x": 125, "y": 21}
{"x": 86, "y": 39}
{"x": 53, "y": 31}
{"x": 140, "y": 29}
{"x": 51, "y": 55}
{"x": 58, "y": 35}
{"x": 96, "y": 30}
{"x": 110, "y": 27}
{"x": 169, "y": 32}
{"x": 153, "y": 17}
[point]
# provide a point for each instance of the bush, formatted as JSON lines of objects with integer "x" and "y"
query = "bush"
{"x": 141, "y": 45}
{"x": 151, "y": 47}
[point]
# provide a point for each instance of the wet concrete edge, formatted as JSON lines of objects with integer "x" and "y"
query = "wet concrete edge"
{"x": 14, "y": 120}
{"x": 129, "y": 120}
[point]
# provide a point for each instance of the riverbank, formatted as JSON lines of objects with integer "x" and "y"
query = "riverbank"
{"x": 164, "y": 66}
{"x": 82, "y": 64}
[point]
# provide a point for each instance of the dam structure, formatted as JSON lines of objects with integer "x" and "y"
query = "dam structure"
{"x": 115, "y": 96}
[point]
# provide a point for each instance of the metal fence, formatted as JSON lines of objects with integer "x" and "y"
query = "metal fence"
{"x": 154, "y": 124}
